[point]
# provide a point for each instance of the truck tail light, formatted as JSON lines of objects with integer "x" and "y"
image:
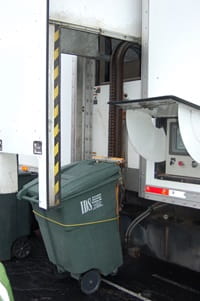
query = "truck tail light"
{"x": 157, "y": 190}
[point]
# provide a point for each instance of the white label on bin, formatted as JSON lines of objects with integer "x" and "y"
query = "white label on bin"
{"x": 91, "y": 203}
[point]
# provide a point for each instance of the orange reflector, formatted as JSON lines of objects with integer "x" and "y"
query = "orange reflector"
{"x": 157, "y": 190}
{"x": 24, "y": 168}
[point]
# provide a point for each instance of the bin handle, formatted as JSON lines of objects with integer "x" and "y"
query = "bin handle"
{"x": 31, "y": 199}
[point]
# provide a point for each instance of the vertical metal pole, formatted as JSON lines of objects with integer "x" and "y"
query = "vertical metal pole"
{"x": 88, "y": 97}
{"x": 85, "y": 83}
{"x": 57, "y": 146}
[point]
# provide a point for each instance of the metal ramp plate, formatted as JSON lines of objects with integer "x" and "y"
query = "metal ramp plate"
{"x": 147, "y": 138}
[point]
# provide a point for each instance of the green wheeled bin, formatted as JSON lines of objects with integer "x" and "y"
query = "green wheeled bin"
{"x": 15, "y": 223}
{"x": 81, "y": 235}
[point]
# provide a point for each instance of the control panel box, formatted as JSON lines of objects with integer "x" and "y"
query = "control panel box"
{"x": 178, "y": 161}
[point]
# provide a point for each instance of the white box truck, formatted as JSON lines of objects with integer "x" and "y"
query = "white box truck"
{"x": 60, "y": 71}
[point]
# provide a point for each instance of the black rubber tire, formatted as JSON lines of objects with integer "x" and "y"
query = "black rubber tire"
{"x": 90, "y": 282}
{"x": 21, "y": 248}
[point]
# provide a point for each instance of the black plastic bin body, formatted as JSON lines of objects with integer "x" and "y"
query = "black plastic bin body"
{"x": 15, "y": 218}
{"x": 82, "y": 232}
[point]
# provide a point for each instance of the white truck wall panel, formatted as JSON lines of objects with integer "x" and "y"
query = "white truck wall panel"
{"x": 100, "y": 122}
{"x": 23, "y": 75}
{"x": 121, "y": 17}
{"x": 172, "y": 46}
{"x": 171, "y": 62}
{"x": 23, "y": 49}
{"x": 170, "y": 66}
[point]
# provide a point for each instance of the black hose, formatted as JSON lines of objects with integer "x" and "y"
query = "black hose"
{"x": 140, "y": 218}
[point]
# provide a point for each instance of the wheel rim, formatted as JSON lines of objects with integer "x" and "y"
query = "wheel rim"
{"x": 90, "y": 282}
{"x": 21, "y": 248}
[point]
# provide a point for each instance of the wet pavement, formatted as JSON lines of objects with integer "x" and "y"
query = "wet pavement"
{"x": 34, "y": 279}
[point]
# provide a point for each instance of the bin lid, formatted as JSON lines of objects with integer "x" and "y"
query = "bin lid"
{"x": 76, "y": 178}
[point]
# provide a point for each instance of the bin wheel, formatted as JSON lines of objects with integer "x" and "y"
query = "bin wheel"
{"x": 90, "y": 282}
{"x": 21, "y": 248}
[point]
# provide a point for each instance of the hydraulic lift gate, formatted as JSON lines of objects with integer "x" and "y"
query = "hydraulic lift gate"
{"x": 25, "y": 116}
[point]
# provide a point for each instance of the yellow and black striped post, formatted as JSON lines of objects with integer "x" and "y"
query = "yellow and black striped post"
{"x": 57, "y": 146}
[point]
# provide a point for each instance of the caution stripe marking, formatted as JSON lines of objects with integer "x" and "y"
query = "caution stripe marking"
{"x": 57, "y": 115}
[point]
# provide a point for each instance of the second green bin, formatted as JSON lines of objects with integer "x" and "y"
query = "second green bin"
{"x": 15, "y": 223}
